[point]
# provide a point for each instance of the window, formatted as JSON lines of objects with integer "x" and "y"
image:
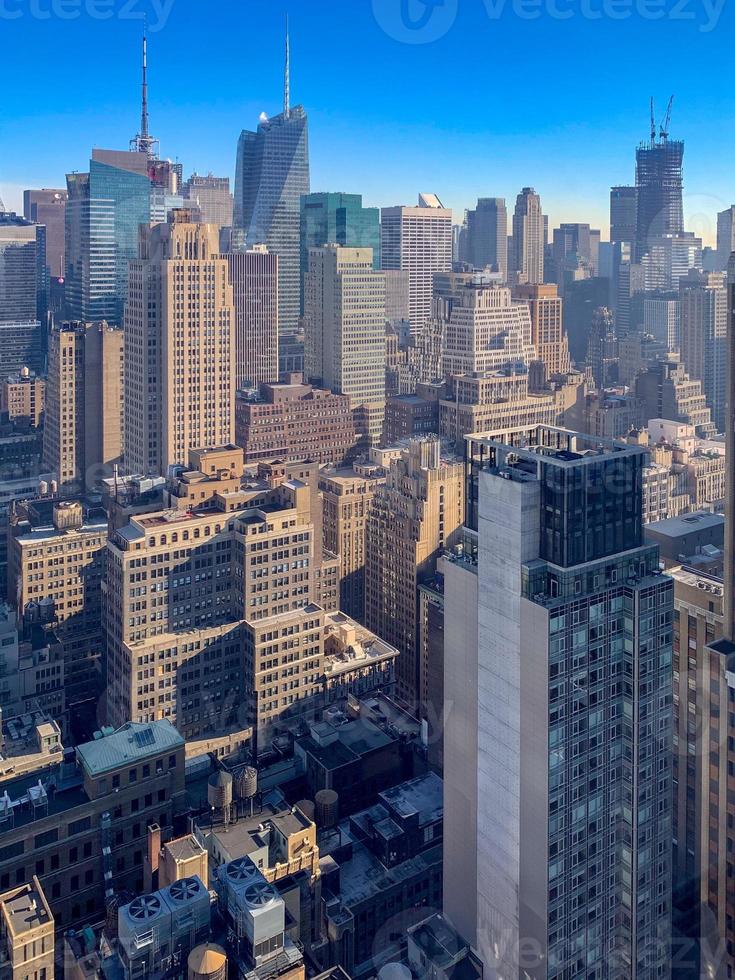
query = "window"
{"x": 11, "y": 851}
{"x": 49, "y": 837}
{"x": 79, "y": 826}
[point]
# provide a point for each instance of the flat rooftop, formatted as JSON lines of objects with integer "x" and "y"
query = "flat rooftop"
{"x": 25, "y": 909}
{"x": 563, "y": 447}
{"x": 675, "y": 527}
{"x": 422, "y": 796}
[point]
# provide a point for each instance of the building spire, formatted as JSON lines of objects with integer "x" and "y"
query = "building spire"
{"x": 144, "y": 142}
{"x": 287, "y": 77}
{"x": 144, "y": 91}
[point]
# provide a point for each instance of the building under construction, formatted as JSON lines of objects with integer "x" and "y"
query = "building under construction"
{"x": 659, "y": 186}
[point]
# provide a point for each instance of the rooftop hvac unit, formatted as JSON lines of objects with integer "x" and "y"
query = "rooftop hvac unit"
{"x": 263, "y": 915}
{"x": 188, "y": 901}
{"x": 144, "y": 930}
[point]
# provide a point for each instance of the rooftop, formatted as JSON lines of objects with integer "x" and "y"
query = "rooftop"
{"x": 25, "y": 909}
{"x": 423, "y": 795}
{"x": 687, "y": 524}
{"x": 562, "y": 447}
{"x": 134, "y": 741}
{"x": 184, "y": 848}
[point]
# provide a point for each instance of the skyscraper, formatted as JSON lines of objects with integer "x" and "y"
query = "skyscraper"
{"x": 254, "y": 278}
{"x": 104, "y": 214}
{"x": 659, "y": 183}
{"x": 84, "y": 404}
{"x": 48, "y": 207}
{"x": 414, "y": 517}
{"x": 528, "y": 238}
{"x": 338, "y": 219}
{"x": 704, "y": 327}
{"x": 574, "y": 246}
{"x": 547, "y": 326}
{"x": 344, "y": 316}
{"x": 212, "y": 196}
{"x": 179, "y": 347}
{"x": 725, "y": 237}
{"x": 272, "y": 174}
{"x": 569, "y": 677}
{"x": 486, "y": 331}
{"x": 623, "y": 214}
{"x": 662, "y": 319}
{"x": 419, "y": 241}
{"x": 21, "y": 244}
{"x": 487, "y": 235}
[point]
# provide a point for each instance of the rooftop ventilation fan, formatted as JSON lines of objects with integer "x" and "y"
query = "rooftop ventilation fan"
{"x": 259, "y": 894}
{"x": 145, "y": 907}
{"x": 240, "y": 869}
{"x": 185, "y": 889}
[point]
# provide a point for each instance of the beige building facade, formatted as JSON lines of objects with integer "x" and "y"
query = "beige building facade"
{"x": 179, "y": 347}
{"x": 414, "y": 517}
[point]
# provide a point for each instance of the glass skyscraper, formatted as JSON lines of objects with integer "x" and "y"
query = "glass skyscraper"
{"x": 22, "y": 278}
{"x": 659, "y": 183}
{"x": 338, "y": 219}
{"x": 272, "y": 174}
{"x": 105, "y": 210}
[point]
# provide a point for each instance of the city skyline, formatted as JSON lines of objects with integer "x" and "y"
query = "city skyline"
{"x": 583, "y": 139}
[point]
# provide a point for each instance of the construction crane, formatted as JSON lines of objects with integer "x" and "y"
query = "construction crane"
{"x": 653, "y": 122}
{"x": 664, "y": 131}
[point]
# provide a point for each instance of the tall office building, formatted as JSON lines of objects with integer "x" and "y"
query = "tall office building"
{"x": 254, "y": 278}
{"x": 419, "y": 241}
{"x": 575, "y": 247}
{"x": 272, "y": 174}
{"x": 48, "y": 207}
{"x": 547, "y": 327}
{"x": 528, "y": 238}
{"x": 213, "y": 198}
{"x": 21, "y": 255}
{"x": 338, "y": 219}
{"x": 725, "y": 237}
{"x": 414, "y": 517}
{"x": 243, "y": 648}
{"x": 569, "y": 676}
{"x": 485, "y": 331}
{"x": 623, "y": 214}
{"x": 179, "y": 347}
{"x": 83, "y": 430}
{"x": 659, "y": 183}
{"x": 347, "y": 495}
{"x": 487, "y": 236}
{"x": 662, "y": 320}
{"x": 104, "y": 213}
{"x": 344, "y": 316}
{"x": 704, "y": 329}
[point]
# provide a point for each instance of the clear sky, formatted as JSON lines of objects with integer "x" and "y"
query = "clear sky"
{"x": 463, "y": 98}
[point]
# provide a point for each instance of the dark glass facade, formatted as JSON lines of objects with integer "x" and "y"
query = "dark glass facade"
{"x": 660, "y": 210}
{"x": 272, "y": 174}
{"x": 104, "y": 213}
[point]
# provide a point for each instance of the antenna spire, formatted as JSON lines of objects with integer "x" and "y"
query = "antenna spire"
{"x": 144, "y": 142}
{"x": 144, "y": 101}
{"x": 287, "y": 77}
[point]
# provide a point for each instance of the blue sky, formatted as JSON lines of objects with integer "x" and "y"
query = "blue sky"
{"x": 497, "y": 94}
